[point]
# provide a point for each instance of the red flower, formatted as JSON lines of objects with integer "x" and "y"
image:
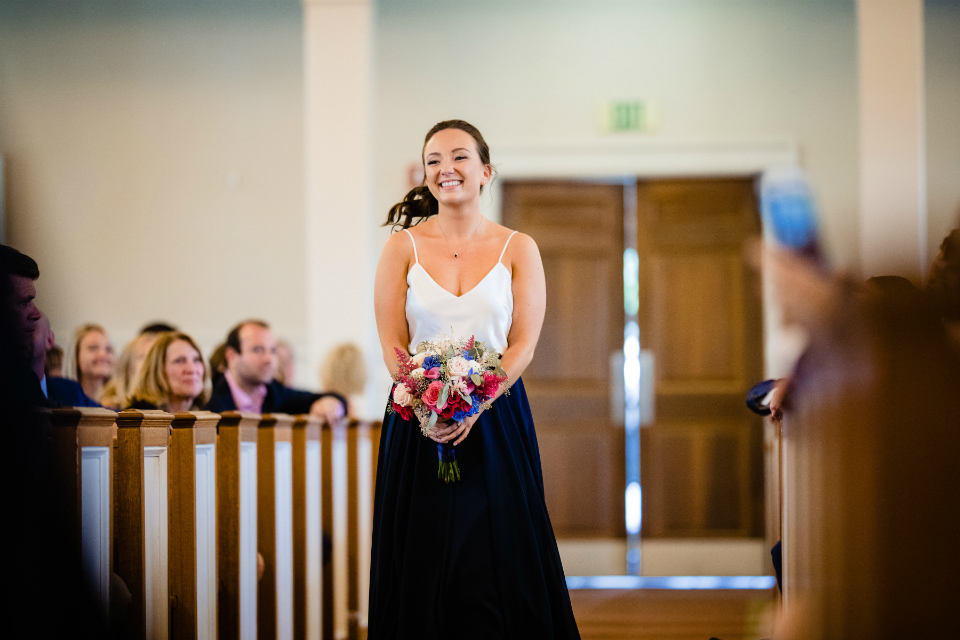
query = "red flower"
{"x": 490, "y": 385}
{"x": 432, "y": 394}
{"x": 405, "y": 412}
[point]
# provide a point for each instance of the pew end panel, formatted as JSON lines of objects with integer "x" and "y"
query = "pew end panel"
{"x": 275, "y": 526}
{"x": 308, "y": 535}
{"x": 141, "y": 536}
{"x": 83, "y": 447}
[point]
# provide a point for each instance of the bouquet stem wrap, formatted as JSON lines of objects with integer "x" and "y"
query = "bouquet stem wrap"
{"x": 448, "y": 471}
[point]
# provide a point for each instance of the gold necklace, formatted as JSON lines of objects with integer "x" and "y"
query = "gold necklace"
{"x": 456, "y": 254}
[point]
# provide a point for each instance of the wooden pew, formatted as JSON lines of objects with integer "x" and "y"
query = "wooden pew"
{"x": 353, "y": 448}
{"x": 237, "y": 521}
{"x": 83, "y": 446}
{"x": 275, "y": 526}
{"x": 141, "y": 523}
{"x": 308, "y": 536}
{"x": 871, "y": 492}
{"x": 192, "y": 494}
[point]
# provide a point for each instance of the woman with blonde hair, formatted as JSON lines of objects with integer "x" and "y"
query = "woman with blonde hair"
{"x": 344, "y": 371}
{"x": 92, "y": 363}
{"x": 173, "y": 376}
{"x": 117, "y": 391}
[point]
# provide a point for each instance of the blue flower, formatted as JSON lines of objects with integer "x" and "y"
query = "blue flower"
{"x": 431, "y": 361}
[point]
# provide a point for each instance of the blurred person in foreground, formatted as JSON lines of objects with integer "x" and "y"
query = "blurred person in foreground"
{"x": 344, "y": 371}
{"x": 93, "y": 359}
{"x": 46, "y": 591}
{"x": 249, "y": 383}
{"x": 172, "y": 377}
{"x": 116, "y": 393}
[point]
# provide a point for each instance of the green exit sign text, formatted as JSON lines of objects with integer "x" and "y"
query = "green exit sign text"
{"x": 628, "y": 115}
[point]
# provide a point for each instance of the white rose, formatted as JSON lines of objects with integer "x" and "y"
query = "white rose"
{"x": 419, "y": 358}
{"x": 458, "y": 367}
{"x": 402, "y": 396}
{"x": 417, "y": 373}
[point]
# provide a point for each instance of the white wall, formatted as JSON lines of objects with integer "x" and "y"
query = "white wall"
{"x": 942, "y": 33}
{"x": 526, "y": 72}
{"x": 154, "y": 165}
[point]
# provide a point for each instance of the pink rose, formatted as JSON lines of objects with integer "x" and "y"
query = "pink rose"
{"x": 402, "y": 395}
{"x": 457, "y": 367}
{"x": 433, "y": 373}
{"x": 432, "y": 394}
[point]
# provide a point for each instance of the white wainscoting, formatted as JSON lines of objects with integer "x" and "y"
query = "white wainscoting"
{"x": 95, "y": 520}
{"x": 314, "y": 542}
{"x": 284, "y": 496}
{"x": 364, "y": 525}
{"x": 157, "y": 594}
{"x": 248, "y": 540}
{"x": 206, "y": 460}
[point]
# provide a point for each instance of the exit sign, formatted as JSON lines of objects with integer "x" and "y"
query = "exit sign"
{"x": 628, "y": 115}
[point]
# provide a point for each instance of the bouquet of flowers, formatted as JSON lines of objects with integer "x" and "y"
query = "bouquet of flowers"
{"x": 448, "y": 378}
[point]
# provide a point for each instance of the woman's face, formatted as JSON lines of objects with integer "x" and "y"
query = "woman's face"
{"x": 95, "y": 359}
{"x": 453, "y": 170}
{"x": 184, "y": 369}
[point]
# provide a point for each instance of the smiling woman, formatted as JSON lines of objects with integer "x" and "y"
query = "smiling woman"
{"x": 172, "y": 377}
{"x": 475, "y": 556}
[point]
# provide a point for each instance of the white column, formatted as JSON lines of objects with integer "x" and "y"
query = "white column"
{"x": 339, "y": 227}
{"x": 893, "y": 217}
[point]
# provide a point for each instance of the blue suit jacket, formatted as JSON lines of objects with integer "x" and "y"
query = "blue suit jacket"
{"x": 279, "y": 399}
{"x": 67, "y": 393}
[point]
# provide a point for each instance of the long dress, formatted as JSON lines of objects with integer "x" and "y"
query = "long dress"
{"x": 475, "y": 558}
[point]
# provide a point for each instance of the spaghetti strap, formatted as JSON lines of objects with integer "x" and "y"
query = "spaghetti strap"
{"x": 417, "y": 259}
{"x": 504, "y": 246}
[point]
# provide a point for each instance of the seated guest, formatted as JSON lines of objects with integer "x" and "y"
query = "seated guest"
{"x": 60, "y": 392}
{"x": 218, "y": 364}
{"x": 344, "y": 371}
{"x": 54, "y": 362}
{"x": 92, "y": 359}
{"x": 286, "y": 366}
{"x": 157, "y": 327}
{"x": 943, "y": 285}
{"x": 116, "y": 393}
{"x": 172, "y": 376}
{"x": 249, "y": 382}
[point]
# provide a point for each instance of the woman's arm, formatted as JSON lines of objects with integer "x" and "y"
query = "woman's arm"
{"x": 529, "y": 307}
{"x": 390, "y": 297}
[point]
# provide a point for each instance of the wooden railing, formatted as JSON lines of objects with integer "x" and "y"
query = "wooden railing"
{"x": 870, "y": 491}
{"x": 179, "y": 506}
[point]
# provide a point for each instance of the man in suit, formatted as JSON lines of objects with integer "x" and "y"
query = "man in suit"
{"x": 59, "y": 392}
{"x": 249, "y": 385}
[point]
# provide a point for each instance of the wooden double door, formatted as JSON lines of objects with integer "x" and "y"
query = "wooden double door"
{"x": 700, "y": 315}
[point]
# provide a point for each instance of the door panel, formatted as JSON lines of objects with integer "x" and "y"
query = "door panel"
{"x": 579, "y": 230}
{"x": 701, "y": 461}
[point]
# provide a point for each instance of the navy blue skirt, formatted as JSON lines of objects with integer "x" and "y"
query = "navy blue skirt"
{"x": 470, "y": 559}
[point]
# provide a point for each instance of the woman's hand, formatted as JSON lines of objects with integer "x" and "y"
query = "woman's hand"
{"x": 446, "y": 431}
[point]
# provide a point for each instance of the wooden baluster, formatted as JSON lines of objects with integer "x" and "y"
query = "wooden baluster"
{"x": 140, "y": 528}
{"x": 326, "y": 492}
{"x": 365, "y": 455}
{"x": 83, "y": 446}
{"x": 343, "y": 579}
{"x": 192, "y": 524}
{"x": 275, "y": 526}
{"x": 237, "y": 524}
{"x": 308, "y": 537}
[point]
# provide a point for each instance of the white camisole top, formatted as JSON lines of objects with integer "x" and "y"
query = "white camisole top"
{"x": 486, "y": 311}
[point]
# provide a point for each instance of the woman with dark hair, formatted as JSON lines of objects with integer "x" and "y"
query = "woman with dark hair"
{"x": 475, "y": 558}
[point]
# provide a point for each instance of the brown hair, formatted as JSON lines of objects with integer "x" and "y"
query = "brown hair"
{"x": 152, "y": 384}
{"x": 419, "y": 204}
{"x": 944, "y": 282}
{"x": 53, "y": 360}
{"x": 233, "y": 338}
